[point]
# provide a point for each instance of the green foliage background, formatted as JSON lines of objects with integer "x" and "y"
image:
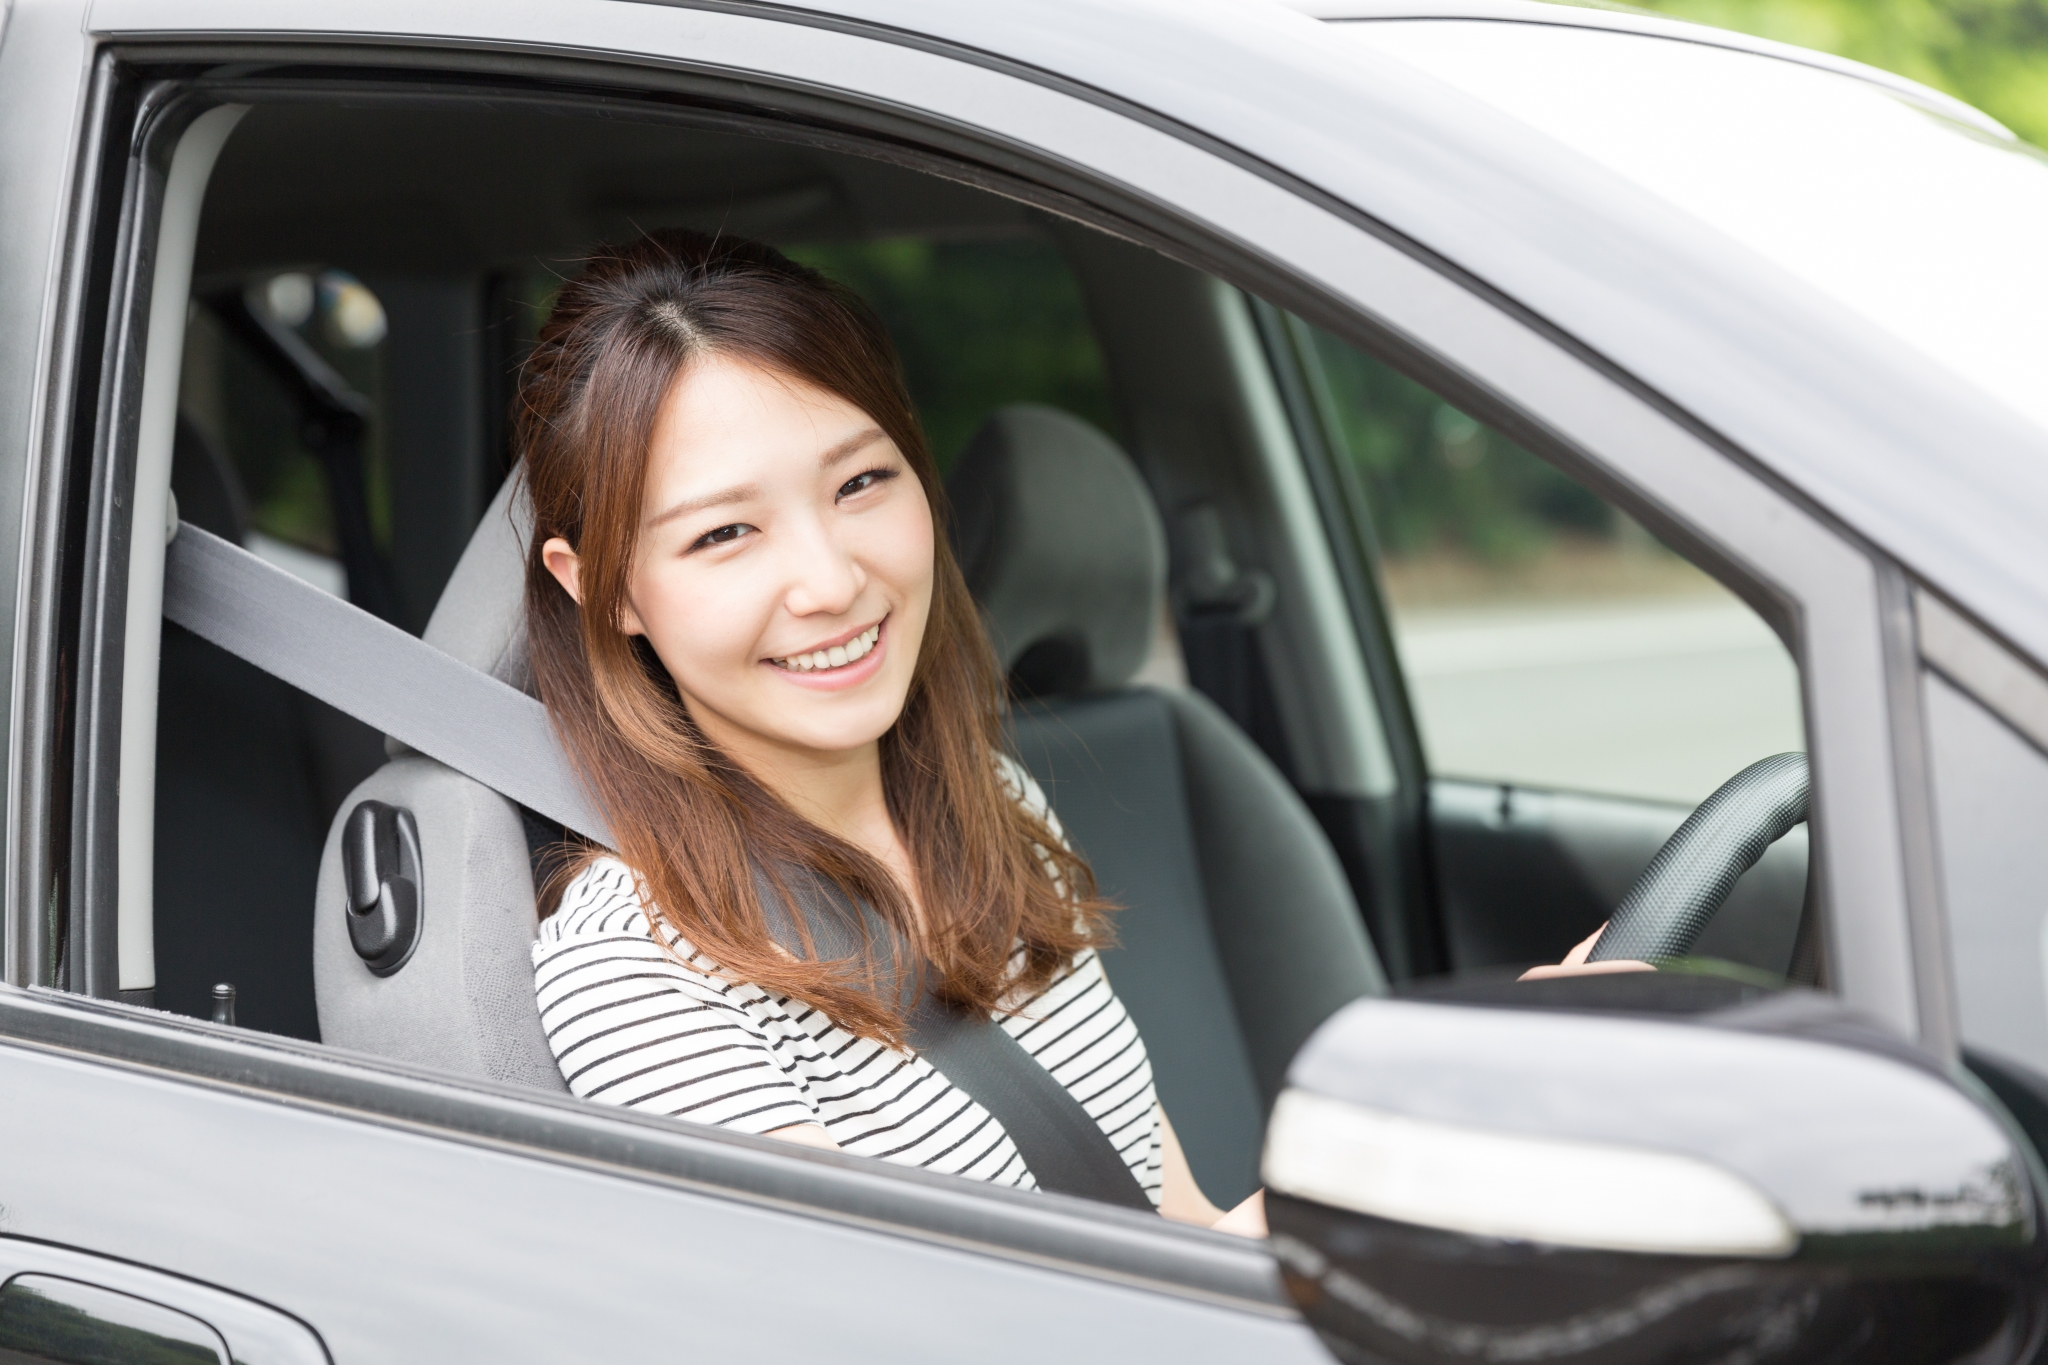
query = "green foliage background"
{"x": 1992, "y": 53}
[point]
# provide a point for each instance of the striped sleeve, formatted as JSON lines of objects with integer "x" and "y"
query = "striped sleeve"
{"x": 635, "y": 1025}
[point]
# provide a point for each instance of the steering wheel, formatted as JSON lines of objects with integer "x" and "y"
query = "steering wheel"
{"x": 1665, "y": 912}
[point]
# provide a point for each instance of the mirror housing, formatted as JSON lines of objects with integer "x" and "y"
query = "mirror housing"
{"x": 1651, "y": 1169}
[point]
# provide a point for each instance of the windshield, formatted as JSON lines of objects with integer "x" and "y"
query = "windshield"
{"x": 1929, "y": 228}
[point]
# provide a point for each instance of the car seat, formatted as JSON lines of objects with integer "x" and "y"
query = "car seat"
{"x": 463, "y": 1001}
{"x": 1239, "y": 935}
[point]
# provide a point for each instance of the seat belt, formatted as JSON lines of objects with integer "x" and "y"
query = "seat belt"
{"x": 370, "y": 669}
{"x": 1065, "y": 1148}
{"x": 497, "y": 735}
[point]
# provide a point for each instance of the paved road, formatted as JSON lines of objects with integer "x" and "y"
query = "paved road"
{"x": 1661, "y": 698}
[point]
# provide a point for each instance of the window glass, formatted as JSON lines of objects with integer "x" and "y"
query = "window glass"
{"x": 1547, "y": 639}
{"x": 1991, "y": 796}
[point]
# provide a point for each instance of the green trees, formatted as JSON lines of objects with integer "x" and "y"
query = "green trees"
{"x": 1992, "y": 53}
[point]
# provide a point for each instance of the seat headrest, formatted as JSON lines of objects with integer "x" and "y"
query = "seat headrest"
{"x": 481, "y": 616}
{"x": 1062, "y": 548}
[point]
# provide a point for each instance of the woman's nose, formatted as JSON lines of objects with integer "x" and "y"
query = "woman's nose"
{"x": 825, "y": 578}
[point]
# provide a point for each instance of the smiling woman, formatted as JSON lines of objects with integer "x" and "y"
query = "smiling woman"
{"x": 747, "y": 590}
{"x": 766, "y": 665}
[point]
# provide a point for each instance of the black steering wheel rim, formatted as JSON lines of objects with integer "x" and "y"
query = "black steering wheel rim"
{"x": 1670, "y": 905}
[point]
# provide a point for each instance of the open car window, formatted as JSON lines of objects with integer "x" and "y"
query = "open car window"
{"x": 1572, "y": 686}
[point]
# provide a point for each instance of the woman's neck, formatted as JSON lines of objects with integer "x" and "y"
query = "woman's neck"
{"x": 838, "y": 790}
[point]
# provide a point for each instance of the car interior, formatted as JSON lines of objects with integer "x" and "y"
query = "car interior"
{"x": 1179, "y": 558}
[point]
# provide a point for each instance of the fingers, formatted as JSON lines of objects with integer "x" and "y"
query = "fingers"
{"x": 1575, "y": 963}
{"x": 1247, "y": 1219}
{"x": 1585, "y": 949}
{"x": 1570, "y": 968}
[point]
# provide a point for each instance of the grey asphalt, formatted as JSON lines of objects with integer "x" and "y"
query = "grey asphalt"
{"x": 1659, "y": 698}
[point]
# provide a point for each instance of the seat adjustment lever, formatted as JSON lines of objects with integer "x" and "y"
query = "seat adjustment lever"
{"x": 380, "y": 864}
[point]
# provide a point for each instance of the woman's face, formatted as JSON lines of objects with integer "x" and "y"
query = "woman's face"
{"x": 784, "y": 570}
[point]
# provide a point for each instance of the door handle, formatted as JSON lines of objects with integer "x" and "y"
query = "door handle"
{"x": 59, "y": 1305}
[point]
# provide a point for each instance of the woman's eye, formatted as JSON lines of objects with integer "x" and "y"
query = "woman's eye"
{"x": 724, "y": 535}
{"x": 860, "y": 483}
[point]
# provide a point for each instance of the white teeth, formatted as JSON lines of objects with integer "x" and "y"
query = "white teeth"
{"x": 838, "y": 656}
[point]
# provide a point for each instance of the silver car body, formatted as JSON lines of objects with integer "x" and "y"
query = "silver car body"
{"x": 1844, "y": 475}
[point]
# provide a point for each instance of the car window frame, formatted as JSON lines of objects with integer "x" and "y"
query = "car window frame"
{"x": 997, "y": 129}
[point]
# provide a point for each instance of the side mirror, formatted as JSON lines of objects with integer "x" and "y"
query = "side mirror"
{"x": 1760, "y": 1182}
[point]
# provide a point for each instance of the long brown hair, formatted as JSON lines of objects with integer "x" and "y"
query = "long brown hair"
{"x": 698, "y": 830}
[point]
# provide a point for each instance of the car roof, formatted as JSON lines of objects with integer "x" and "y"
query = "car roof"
{"x": 1909, "y": 456}
{"x": 1624, "y": 19}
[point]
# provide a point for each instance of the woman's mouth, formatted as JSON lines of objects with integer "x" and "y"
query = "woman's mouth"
{"x": 837, "y": 656}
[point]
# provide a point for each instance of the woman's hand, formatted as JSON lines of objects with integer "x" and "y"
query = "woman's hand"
{"x": 1182, "y": 1200}
{"x": 1575, "y": 963}
{"x": 1247, "y": 1219}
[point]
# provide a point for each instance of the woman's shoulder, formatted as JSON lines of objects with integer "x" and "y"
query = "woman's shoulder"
{"x": 601, "y": 901}
{"x": 1025, "y": 791}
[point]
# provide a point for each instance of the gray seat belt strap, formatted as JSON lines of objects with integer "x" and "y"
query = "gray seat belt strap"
{"x": 375, "y": 672}
{"x": 1064, "y": 1146}
{"x": 1059, "y": 1140}
{"x": 502, "y": 738}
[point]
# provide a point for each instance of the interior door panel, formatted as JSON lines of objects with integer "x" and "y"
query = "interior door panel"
{"x": 1524, "y": 874}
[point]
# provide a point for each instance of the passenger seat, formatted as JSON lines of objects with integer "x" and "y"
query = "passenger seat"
{"x": 1239, "y": 933}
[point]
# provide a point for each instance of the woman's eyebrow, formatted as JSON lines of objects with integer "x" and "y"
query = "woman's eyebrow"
{"x": 852, "y": 445}
{"x": 724, "y": 497}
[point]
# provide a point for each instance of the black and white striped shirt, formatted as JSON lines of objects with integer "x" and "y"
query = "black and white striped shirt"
{"x": 634, "y": 1022}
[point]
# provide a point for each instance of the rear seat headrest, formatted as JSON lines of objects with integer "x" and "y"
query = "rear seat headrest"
{"x": 1062, "y": 548}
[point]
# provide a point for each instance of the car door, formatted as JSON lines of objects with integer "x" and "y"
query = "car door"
{"x": 395, "y": 1228}
{"x": 404, "y": 1213}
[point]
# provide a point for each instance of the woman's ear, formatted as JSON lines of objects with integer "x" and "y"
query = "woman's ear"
{"x": 565, "y": 565}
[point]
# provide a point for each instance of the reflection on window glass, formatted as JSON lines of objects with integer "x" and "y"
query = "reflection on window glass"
{"x": 979, "y": 324}
{"x": 1548, "y": 640}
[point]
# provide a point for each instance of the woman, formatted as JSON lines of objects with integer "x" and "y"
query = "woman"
{"x": 760, "y": 654}
{"x": 764, "y": 662}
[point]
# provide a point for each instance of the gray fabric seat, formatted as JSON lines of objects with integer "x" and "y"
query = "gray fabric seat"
{"x": 1239, "y": 933}
{"x": 464, "y": 1001}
